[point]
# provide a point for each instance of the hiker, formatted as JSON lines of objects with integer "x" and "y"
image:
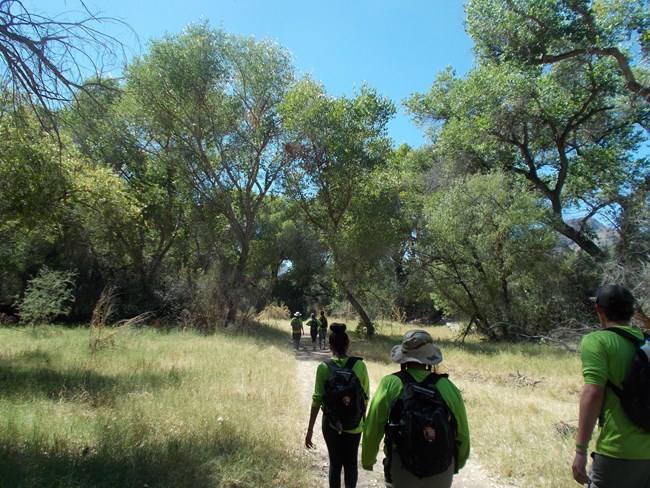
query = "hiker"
{"x": 416, "y": 355}
{"x": 313, "y": 329}
{"x": 297, "y": 330}
{"x": 621, "y": 456}
{"x": 322, "y": 330}
{"x": 342, "y": 434}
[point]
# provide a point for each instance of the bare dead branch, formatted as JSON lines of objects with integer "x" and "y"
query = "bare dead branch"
{"x": 45, "y": 61}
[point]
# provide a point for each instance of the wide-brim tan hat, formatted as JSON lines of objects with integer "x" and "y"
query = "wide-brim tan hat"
{"x": 417, "y": 346}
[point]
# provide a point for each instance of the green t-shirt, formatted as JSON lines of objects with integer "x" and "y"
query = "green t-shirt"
{"x": 323, "y": 372}
{"x": 605, "y": 355}
{"x": 388, "y": 390}
{"x": 296, "y": 325}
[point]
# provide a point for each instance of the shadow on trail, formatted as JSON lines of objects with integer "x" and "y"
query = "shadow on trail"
{"x": 307, "y": 354}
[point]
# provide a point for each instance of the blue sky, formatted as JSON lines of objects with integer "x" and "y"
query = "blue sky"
{"x": 396, "y": 46}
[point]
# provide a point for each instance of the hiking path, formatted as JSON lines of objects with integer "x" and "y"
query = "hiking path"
{"x": 471, "y": 476}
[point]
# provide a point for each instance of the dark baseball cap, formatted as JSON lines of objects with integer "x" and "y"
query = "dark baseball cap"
{"x": 614, "y": 298}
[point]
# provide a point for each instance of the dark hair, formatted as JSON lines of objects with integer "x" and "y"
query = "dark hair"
{"x": 339, "y": 340}
{"x": 616, "y": 301}
{"x": 623, "y": 314}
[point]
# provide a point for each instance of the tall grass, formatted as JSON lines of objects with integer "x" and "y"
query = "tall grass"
{"x": 521, "y": 400}
{"x": 167, "y": 410}
{"x": 181, "y": 409}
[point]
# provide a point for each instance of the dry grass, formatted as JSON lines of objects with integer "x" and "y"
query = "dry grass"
{"x": 165, "y": 410}
{"x": 181, "y": 409}
{"x": 275, "y": 312}
{"x": 521, "y": 400}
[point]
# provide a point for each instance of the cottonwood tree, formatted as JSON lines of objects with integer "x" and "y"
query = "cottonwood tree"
{"x": 542, "y": 32}
{"x": 568, "y": 131}
{"x": 212, "y": 98}
{"x": 99, "y": 124}
{"x": 44, "y": 60}
{"x": 336, "y": 147}
{"x": 485, "y": 255}
{"x": 56, "y": 207}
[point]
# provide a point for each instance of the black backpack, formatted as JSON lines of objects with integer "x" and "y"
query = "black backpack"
{"x": 344, "y": 399}
{"x": 635, "y": 392}
{"x": 422, "y": 427}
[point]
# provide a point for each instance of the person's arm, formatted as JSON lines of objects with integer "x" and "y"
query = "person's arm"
{"x": 310, "y": 429}
{"x": 322, "y": 373}
{"x": 591, "y": 404}
{"x": 454, "y": 399}
{"x": 373, "y": 427}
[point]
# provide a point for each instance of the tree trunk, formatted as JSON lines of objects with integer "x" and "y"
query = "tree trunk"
{"x": 235, "y": 292}
{"x": 582, "y": 242}
{"x": 370, "y": 328}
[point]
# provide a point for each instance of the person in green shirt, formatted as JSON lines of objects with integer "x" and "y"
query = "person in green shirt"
{"x": 297, "y": 330}
{"x": 313, "y": 329}
{"x": 417, "y": 354}
{"x": 622, "y": 452}
{"x": 322, "y": 330}
{"x": 342, "y": 446}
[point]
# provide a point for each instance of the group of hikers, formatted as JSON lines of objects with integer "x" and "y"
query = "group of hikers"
{"x": 317, "y": 330}
{"x": 420, "y": 414}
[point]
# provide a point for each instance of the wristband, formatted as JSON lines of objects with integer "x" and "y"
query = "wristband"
{"x": 582, "y": 446}
{"x": 582, "y": 453}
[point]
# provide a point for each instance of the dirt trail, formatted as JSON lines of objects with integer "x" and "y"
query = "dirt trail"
{"x": 471, "y": 476}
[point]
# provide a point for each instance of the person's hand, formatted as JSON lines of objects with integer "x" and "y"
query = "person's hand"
{"x": 580, "y": 467}
{"x": 308, "y": 442}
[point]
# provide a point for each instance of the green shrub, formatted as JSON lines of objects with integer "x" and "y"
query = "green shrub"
{"x": 48, "y": 295}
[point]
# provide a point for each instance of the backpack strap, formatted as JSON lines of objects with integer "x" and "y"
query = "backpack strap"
{"x": 630, "y": 337}
{"x": 429, "y": 381}
{"x": 348, "y": 365}
{"x": 634, "y": 340}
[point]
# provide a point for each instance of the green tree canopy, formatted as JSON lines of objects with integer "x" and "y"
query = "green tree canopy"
{"x": 568, "y": 132}
{"x": 337, "y": 148}
{"x": 485, "y": 254}
{"x": 209, "y": 99}
{"x": 551, "y": 31}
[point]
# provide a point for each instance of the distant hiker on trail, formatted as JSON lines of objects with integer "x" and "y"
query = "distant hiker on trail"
{"x": 423, "y": 416}
{"x": 622, "y": 452}
{"x": 313, "y": 324}
{"x": 297, "y": 330}
{"x": 341, "y": 389}
{"x": 322, "y": 330}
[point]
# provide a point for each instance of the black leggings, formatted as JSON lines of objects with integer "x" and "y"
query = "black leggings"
{"x": 343, "y": 450}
